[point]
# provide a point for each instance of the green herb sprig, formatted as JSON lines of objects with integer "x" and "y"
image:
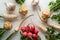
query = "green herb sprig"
{"x": 20, "y": 1}
{"x": 2, "y": 31}
{"x": 56, "y": 17}
{"x": 54, "y": 5}
{"x": 52, "y": 35}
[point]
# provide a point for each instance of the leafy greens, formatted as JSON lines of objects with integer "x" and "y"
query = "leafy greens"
{"x": 52, "y": 34}
{"x": 20, "y": 1}
{"x": 56, "y": 17}
{"x": 2, "y": 31}
{"x": 54, "y": 5}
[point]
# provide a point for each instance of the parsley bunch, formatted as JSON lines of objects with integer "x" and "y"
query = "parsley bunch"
{"x": 54, "y": 5}
{"x": 56, "y": 17}
{"x": 52, "y": 35}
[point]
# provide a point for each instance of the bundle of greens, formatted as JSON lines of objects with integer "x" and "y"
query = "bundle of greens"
{"x": 52, "y": 34}
{"x": 56, "y": 17}
{"x": 54, "y": 5}
{"x": 2, "y": 31}
{"x": 20, "y": 1}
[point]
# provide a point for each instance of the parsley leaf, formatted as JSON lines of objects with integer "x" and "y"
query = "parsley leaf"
{"x": 20, "y": 1}
{"x": 56, "y": 17}
{"x": 52, "y": 35}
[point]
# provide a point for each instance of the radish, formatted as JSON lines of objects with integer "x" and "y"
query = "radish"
{"x": 24, "y": 34}
{"x": 35, "y": 36}
{"x": 32, "y": 29}
{"x": 36, "y": 31}
{"x": 28, "y": 28}
{"x": 23, "y": 29}
{"x": 29, "y": 35}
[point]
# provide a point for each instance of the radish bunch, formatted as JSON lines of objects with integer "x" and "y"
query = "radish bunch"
{"x": 29, "y": 31}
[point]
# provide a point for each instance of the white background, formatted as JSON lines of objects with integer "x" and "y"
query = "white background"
{"x": 43, "y": 4}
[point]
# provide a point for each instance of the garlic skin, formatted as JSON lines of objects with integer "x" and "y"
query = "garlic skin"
{"x": 10, "y": 6}
{"x": 46, "y": 14}
{"x": 7, "y": 25}
{"x": 23, "y": 10}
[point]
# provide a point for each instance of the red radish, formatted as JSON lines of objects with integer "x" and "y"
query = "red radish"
{"x": 29, "y": 35}
{"x": 32, "y": 28}
{"x": 35, "y": 36}
{"x": 23, "y": 29}
{"x": 36, "y": 31}
{"x": 24, "y": 34}
{"x": 28, "y": 28}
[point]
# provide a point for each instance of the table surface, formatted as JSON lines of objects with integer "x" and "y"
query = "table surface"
{"x": 43, "y": 4}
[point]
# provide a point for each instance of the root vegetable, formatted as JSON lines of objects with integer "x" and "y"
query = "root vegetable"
{"x": 10, "y": 6}
{"x": 36, "y": 31}
{"x": 32, "y": 29}
{"x": 23, "y": 29}
{"x": 29, "y": 35}
{"x": 35, "y": 5}
{"x": 19, "y": 25}
{"x": 35, "y": 2}
{"x": 45, "y": 14}
{"x": 24, "y": 34}
{"x": 7, "y": 25}
{"x": 40, "y": 27}
{"x": 27, "y": 28}
{"x": 35, "y": 36}
{"x": 45, "y": 21}
{"x": 9, "y": 17}
{"x": 23, "y": 10}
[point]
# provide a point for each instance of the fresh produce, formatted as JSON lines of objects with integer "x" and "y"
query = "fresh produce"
{"x": 24, "y": 34}
{"x": 29, "y": 35}
{"x": 2, "y": 31}
{"x": 18, "y": 26}
{"x": 56, "y": 17}
{"x": 10, "y": 6}
{"x": 9, "y": 17}
{"x": 35, "y": 5}
{"x": 35, "y": 2}
{"x": 54, "y": 5}
{"x": 20, "y": 1}
{"x": 45, "y": 21}
{"x": 23, "y": 10}
{"x": 7, "y": 25}
{"x": 39, "y": 27}
{"x": 45, "y": 14}
{"x": 52, "y": 34}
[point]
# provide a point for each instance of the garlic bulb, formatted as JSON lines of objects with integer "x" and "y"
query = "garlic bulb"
{"x": 23, "y": 10}
{"x": 45, "y": 14}
{"x": 7, "y": 25}
{"x": 10, "y": 6}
